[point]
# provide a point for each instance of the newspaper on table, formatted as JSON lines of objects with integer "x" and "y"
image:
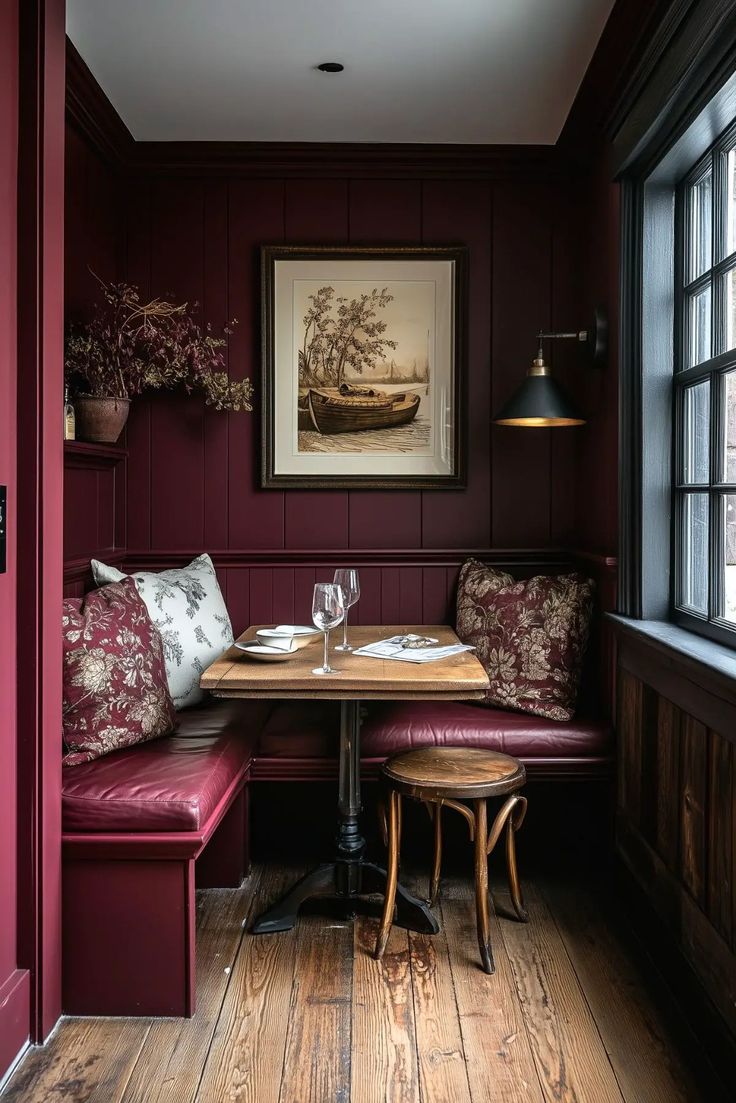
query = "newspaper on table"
{"x": 396, "y": 648}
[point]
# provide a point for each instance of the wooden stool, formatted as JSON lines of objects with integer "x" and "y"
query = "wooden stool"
{"x": 444, "y": 776}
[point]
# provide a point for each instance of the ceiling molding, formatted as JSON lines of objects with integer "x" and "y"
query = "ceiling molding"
{"x": 687, "y": 66}
{"x": 91, "y": 113}
{"x": 633, "y": 41}
{"x": 315, "y": 159}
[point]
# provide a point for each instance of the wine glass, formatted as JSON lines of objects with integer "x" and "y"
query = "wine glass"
{"x": 347, "y": 579}
{"x": 327, "y": 612}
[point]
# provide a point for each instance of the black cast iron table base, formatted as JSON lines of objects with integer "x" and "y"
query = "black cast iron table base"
{"x": 349, "y": 877}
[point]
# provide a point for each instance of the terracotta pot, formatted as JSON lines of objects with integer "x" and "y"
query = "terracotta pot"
{"x": 100, "y": 419}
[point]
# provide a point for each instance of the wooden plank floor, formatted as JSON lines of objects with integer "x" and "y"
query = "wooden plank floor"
{"x": 570, "y": 1015}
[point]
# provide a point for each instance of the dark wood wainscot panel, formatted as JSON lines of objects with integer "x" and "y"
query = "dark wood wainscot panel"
{"x": 676, "y": 820}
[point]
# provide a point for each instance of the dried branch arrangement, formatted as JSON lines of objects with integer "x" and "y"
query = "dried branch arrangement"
{"x": 131, "y": 346}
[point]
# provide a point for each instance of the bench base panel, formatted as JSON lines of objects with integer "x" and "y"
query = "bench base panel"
{"x": 128, "y": 937}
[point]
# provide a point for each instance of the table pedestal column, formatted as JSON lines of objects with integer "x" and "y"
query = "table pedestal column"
{"x": 348, "y": 876}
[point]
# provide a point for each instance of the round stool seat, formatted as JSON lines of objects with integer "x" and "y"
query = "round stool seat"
{"x": 460, "y": 772}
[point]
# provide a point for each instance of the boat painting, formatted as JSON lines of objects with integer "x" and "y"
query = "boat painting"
{"x": 360, "y": 381}
{"x": 354, "y": 409}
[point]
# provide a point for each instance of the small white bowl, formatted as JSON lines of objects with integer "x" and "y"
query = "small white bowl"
{"x": 276, "y": 637}
{"x": 266, "y": 654}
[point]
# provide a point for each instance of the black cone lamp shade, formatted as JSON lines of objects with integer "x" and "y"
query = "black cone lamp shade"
{"x": 540, "y": 402}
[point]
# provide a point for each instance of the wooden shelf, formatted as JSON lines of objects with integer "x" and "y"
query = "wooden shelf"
{"x": 82, "y": 453}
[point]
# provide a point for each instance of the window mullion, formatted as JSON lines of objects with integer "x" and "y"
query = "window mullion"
{"x": 715, "y": 550}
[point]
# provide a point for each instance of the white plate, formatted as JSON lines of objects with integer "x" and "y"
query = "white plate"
{"x": 265, "y": 654}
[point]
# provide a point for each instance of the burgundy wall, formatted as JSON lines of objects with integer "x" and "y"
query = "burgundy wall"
{"x": 94, "y": 225}
{"x": 192, "y": 474}
{"x": 14, "y": 983}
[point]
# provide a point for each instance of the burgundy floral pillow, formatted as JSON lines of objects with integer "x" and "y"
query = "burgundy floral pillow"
{"x": 115, "y": 688}
{"x": 530, "y": 636}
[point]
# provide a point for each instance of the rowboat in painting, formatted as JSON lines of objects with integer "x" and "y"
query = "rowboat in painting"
{"x": 350, "y": 409}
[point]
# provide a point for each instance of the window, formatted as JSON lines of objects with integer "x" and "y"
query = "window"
{"x": 704, "y": 533}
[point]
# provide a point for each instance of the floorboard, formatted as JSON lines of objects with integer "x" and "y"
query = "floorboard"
{"x": 174, "y": 1052}
{"x": 88, "y": 1060}
{"x": 246, "y": 1058}
{"x": 498, "y": 1053}
{"x": 572, "y": 1063}
{"x": 644, "y": 1049}
{"x": 384, "y": 1052}
{"x": 571, "y": 1015}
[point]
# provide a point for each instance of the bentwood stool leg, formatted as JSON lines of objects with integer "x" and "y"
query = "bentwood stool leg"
{"x": 382, "y": 820}
{"x": 434, "y": 885}
{"x": 482, "y": 902}
{"x": 515, "y": 820}
{"x": 394, "y": 843}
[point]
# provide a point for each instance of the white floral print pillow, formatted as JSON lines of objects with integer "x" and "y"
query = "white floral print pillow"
{"x": 187, "y": 607}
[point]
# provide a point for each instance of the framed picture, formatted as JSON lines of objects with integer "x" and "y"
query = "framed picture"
{"x": 363, "y": 366}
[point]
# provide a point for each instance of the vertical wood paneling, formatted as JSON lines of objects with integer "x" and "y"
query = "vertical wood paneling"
{"x": 668, "y": 783}
{"x": 390, "y": 596}
{"x": 238, "y": 599}
{"x": 521, "y": 307}
{"x": 304, "y": 579}
{"x": 683, "y": 856}
{"x": 193, "y": 475}
{"x": 316, "y": 211}
{"x": 567, "y": 359}
{"x": 387, "y": 211}
{"x": 216, "y": 311}
{"x": 368, "y": 609}
{"x": 255, "y": 218}
{"x": 720, "y": 834}
{"x": 282, "y": 605}
{"x": 694, "y": 773}
{"x": 629, "y": 715}
{"x": 177, "y": 426}
{"x": 261, "y": 595}
{"x": 410, "y": 595}
{"x": 452, "y": 212}
{"x": 434, "y": 596}
{"x": 138, "y": 430}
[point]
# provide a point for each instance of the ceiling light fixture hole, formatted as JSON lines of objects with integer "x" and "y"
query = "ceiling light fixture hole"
{"x": 330, "y": 67}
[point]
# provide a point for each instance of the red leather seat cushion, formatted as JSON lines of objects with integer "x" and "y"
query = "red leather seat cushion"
{"x": 399, "y": 725}
{"x": 169, "y": 784}
{"x": 309, "y": 729}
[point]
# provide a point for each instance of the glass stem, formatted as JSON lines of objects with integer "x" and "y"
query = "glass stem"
{"x": 325, "y": 667}
{"x": 345, "y": 628}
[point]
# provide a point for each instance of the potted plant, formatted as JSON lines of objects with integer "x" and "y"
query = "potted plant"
{"x": 131, "y": 346}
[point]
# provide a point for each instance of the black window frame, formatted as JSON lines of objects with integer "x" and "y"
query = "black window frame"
{"x": 712, "y": 370}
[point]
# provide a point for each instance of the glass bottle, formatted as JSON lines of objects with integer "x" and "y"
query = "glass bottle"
{"x": 70, "y": 426}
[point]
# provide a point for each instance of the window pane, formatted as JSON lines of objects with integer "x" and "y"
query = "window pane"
{"x": 731, "y": 201}
{"x": 729, "y": 307}
{"x": 696, "y": 444}
{"x": 729, "y": 436}
{"x": 701, "y": 206}
{"x": 694, "y": 559}
{"x": 729, "y": 558}
{"x": 699, "y": 327}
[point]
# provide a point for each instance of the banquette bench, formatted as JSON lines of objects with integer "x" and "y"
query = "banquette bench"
{"x": 143, "y": 826}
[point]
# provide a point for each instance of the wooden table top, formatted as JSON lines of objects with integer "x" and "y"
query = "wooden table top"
{"x": 458, "y": 678}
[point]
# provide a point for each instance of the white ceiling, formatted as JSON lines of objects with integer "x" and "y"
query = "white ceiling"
{"x": 476, "y": 71}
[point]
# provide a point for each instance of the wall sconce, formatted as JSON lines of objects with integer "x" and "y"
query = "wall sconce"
{"x": 540, "y": 401}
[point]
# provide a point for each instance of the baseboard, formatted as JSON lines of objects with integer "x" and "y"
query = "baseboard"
{"x": 659, "y": 946}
